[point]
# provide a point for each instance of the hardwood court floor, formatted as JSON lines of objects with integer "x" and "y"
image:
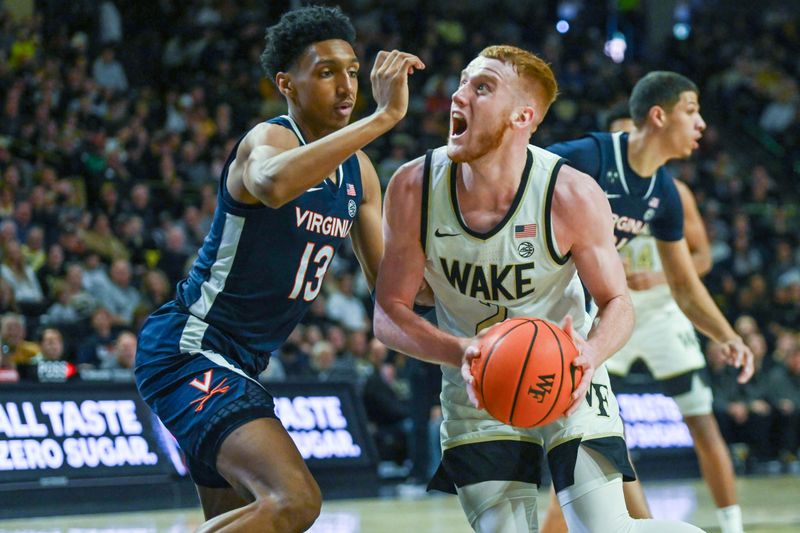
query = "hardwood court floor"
{"x": 770, "y": 505}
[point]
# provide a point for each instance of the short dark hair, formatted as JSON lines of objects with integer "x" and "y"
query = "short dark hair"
{"x": 617, "y": 112}
{"x": 661, "y": 88}
{"x": 299, "y": 28}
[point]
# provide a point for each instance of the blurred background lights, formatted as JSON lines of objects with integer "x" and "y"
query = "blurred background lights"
{"x": 681, "y": 31}
{"x": 615, "y": 47}
{"x": 562, "y": 26}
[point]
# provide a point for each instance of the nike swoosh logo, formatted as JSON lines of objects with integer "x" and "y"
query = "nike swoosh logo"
{"x": 312, "y": 189}
{"x": 611, "y": 195}
{"x": 440, "y": 234}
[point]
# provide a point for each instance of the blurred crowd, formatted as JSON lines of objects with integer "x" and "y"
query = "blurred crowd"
{"x": 117, "y": 118}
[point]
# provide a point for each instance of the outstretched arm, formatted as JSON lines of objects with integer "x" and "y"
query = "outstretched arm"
{"x": 698, "y": 306}
{"x": 275, "y": 173}
{"x": 582, "y": 221}
{"x": 401, "y": 274}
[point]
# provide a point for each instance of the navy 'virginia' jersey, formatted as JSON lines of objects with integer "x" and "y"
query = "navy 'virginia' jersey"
{"x": 635, "y": 201}
{"x": 260, "y": 268}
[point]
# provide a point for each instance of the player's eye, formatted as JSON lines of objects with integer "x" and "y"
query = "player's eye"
{"x": 326, "y": 73}
{"x": 353, "y": 73}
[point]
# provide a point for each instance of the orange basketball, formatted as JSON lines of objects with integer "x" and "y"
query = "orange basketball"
{"x": 524, "y": 375}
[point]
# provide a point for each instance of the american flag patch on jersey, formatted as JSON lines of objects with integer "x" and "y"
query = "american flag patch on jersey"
{"x": 524, "y": 230}
{"x": 351, "y": 189}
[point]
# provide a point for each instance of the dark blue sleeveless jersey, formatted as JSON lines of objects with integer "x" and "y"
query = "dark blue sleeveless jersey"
{"x": 636, "y": 201}
{"x": 260, "y": 268}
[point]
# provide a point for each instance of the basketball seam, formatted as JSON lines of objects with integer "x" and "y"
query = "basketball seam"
{"x": 489, "y": 355}
{"x": 561, "y": 381}
{"x": 522, "y": 372}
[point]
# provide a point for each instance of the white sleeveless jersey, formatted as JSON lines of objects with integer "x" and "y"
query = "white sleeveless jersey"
{"x": 642, "y": 256}
{"x": 513, "y": 270}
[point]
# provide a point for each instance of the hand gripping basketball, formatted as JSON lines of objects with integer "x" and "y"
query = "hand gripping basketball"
{"x": 523, "y": 375}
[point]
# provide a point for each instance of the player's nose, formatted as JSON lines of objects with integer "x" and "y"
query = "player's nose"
{"x": 701, "y": 124}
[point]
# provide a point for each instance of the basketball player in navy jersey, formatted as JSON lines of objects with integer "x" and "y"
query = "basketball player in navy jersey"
{"x": 501, "y": 229}
{"x": 664, "y": 339}
{"x": 291, "y": 191}
{"x": 629, "y": 167}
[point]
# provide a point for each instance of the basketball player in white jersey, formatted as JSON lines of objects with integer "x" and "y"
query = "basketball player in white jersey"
{"x": 666, "y": 341}
{"x": 501, "y": 229}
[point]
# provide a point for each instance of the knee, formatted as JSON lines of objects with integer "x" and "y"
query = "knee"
{"x": 298, "y": 510}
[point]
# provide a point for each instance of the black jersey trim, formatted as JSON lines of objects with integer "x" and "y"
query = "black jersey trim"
{"x": 523, "y": 185}
{"x": 426, "y": 183}
{"x": 548, "y": 220}
{"x": 563, "y": 457}
{"x": 499, "y": 460}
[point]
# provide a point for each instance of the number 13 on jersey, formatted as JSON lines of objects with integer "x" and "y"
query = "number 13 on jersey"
{"x": 321, "y": 259}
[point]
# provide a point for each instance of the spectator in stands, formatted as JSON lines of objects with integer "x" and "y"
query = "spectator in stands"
{"x": 52, "y": 346}
{"x": 174, "y": 256}
{"x": 99, "y": 346}
{"x": 783, "y": 392}
{"x": 52, "y": 270}
{"x": 742, "y": 411}
{"x": 295, "y": 362}
{"x": 387, "y": 414}
{"x": 345, "y": 306}
{"x": 65, "y": 310}
{"x": 108, "y": 72}
{"x": 124, "y": 352}
{"x": 100, "y": 239}
{"x": 119, "y": 296}
{"x": 13, "y": 345}
{"x": 33, "y": 249}
{"x": 21, "y": 278}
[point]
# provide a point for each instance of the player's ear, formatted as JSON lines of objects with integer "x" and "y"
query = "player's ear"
{"x": 524, "y": 116}
{"x": 284, "y": 83}
{"x": 657, "y": 115}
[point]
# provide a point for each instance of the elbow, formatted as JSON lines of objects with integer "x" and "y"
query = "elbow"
{"x": 380, "y": 325}
{"x": 703, "y": 265}
{"x": 262, "y": 183}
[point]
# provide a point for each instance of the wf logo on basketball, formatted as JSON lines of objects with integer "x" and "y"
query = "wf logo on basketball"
{"x": 542, "y": 388}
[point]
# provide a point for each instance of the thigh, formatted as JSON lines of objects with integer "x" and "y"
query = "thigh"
{"x": 217, "y": 501}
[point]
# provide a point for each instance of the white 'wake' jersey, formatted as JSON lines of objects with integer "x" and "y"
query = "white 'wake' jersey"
{"x": 513, "y": 270}
{"x": 642, "y": 256}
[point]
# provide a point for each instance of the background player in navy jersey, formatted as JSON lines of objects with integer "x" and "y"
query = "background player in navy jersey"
{"x": 665, "y": 110}
{"x": 291, "y": 190}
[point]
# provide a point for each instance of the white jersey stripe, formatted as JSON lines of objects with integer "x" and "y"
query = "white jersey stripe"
{"x": 229, "y": 242}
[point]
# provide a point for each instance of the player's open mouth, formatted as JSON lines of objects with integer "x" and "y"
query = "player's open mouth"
{"x": 458, "y": 124}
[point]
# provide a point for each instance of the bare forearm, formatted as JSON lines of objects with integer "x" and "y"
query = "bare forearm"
{"x": 403, "y": 330}
{"x": 698, "y": 306}
{"x": 612, "y": 327}
{"x": 278, "y": 179}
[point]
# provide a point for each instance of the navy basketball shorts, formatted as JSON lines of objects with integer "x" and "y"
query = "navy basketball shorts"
{"x": 199, "y": 387}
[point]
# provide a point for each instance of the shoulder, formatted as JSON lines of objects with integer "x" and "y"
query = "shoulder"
{"x": 269, "y": 134}
{"x": 589, "y": 143}
{"x": 577, "y": 190}
{"x": 408, "y": 178}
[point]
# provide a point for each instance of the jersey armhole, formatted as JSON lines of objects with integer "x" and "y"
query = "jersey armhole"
{"x": 552, "y": 248}
{"x": 426, "y": 179}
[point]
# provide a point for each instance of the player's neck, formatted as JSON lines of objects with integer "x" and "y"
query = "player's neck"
{"x": 498, "y": 170}
{"x": 310, "y": 131}
{"x": 644, "y": 153}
